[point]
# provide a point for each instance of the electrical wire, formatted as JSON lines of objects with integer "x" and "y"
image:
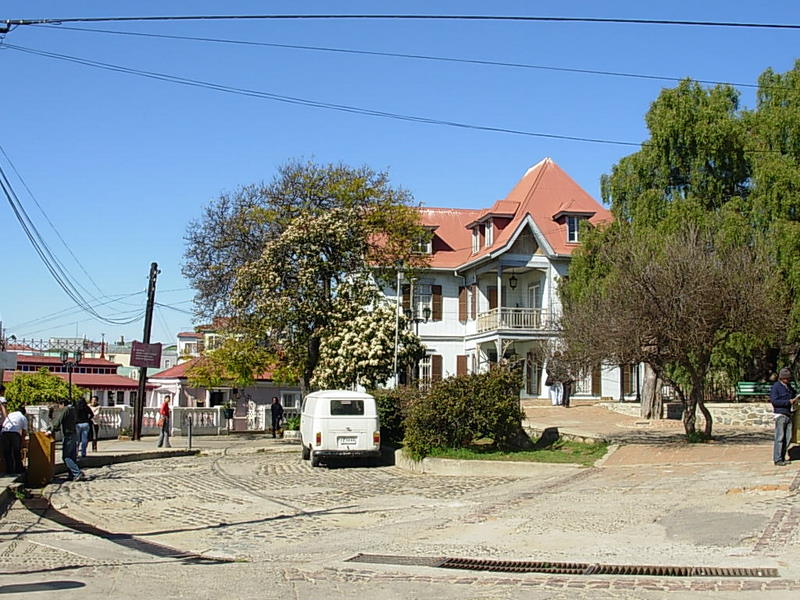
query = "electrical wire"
{"x": 310, "y": 103}
{"x": 46, "y": 255}
{"x": 409, "y": 17}
{"x": 424, "y": 57}
{"x": 68, "y": 311}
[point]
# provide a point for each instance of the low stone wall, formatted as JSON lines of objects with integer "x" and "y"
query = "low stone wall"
{"x": 737, "y": 414}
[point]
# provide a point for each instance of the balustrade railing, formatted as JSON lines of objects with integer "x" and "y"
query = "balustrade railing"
{"x": 532, "y": 319}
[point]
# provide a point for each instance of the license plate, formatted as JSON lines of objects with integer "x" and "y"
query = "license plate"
{"x": 348, "y": 441}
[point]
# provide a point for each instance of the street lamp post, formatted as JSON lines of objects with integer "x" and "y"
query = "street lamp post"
{"x": 70, "y": 362}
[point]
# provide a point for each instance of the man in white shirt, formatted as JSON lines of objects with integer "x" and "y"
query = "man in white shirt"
{"x": 3, "y": 405}
{"x": 12, "y": 439}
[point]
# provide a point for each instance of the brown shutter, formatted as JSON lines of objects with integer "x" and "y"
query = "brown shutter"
{"x": 597, "y": 381}
{"x": 436, "y": 367}
{"x": 626, "y": 379}
{"x": 436, "y": 301}
{"x": 406, "y": 297}
{"x": 461, "y": 364}
{"x": 473, "y": 311}
{"x": 462, "y": 303}
{"x": 492, "y": 293}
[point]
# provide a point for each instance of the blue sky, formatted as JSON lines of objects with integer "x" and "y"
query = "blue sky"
{"x": 121, "y": 164}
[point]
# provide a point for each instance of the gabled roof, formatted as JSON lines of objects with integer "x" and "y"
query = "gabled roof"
{"x": 543, "y": 195}
{"x": 179, "y": 371}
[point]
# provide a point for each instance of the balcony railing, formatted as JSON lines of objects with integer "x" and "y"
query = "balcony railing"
{"x": 530, "y": 319}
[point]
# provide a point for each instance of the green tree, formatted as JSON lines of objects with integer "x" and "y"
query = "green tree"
{"x": 294, "y": 260}
{"x": 237, "y": 363}
{"x": 734, "y": 175}
{"x": 41, "y": 387}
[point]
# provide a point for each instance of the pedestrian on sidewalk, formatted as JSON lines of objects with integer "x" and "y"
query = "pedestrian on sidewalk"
{"x": 554, "y": 388}
{"x": 12, "y": 440}
{"x": 84, "y": 424}
{"x": 277, "y": 415}
{"x": 3, "y": 405}
{"x": 165, "y": 416}
{"x": 784, "y": 400}
{"x": 67, "y": 420}
{"x": 95, "y": 406}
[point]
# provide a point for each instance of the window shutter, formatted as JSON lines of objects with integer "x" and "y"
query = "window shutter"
{"x": 461, "y": 364}
{"x": 406, "y": 297}
{"x": 492, "y": 293}
{"x": 436, "y": 367}
{"x": 626, "y": 379}
{"x": 462, "y": 303}
{"x": 597, "y": 384}
{"x": 436, "y": 301}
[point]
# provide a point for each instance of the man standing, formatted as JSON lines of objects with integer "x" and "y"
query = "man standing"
{"x": 277, "y": 415}
{"x": 3, "y": 407}
{"x": 165, "y": 415}
{"x": 783, "y": 399}
{"x": 67, "y": 420}
{"x": 12, "y": 440}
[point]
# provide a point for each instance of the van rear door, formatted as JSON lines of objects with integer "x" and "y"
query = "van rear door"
{"x": 349, "y": 429}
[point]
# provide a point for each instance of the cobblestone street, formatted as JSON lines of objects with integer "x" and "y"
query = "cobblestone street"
{"x": 259, "y": 523}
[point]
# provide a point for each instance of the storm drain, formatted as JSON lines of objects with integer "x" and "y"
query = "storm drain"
{"x": 562, "y": 568}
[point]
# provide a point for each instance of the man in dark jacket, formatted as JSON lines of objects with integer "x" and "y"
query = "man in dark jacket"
{"x": 277, "y": 415}
{"x": 783, "y": 398}
{"x": 67, "y": 419}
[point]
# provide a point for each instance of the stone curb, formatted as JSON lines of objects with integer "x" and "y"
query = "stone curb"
{"x": 481, "y": 468}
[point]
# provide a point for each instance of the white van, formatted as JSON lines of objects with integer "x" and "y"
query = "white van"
{"x": 339, "y": 423}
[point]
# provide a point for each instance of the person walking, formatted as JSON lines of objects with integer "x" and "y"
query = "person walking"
{"x": 67, "y": 419}
{"x": 164, "y": 422}
{"x": 12, "y": 440}
{"x": 784, "y": 400}
{"x": 277, "y": 415}
{"x": 555, "y": 389}
{"x": 94, "y": 404}
{"x": 84, "y": 424}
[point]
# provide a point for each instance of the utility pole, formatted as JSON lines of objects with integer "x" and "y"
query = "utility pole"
{"x": 138, "y": 407}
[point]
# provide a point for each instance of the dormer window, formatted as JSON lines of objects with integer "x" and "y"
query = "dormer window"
{"x": 574, "y": 228}
{"x": 476, "y": 239}
{"x": 489, "y": 233}
{"x": 424, "y": 243}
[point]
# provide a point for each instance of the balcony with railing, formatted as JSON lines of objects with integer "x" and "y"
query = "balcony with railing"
{"x": 517, "y": 319}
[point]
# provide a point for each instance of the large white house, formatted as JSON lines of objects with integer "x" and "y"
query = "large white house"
{"x": 491, "y": 287}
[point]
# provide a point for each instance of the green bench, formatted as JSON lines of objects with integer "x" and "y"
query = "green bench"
{"x": 754, "y": 388}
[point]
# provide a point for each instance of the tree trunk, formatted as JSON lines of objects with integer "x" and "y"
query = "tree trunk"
{"x": 651, "y": 394}
{"x": 707, "y": 416}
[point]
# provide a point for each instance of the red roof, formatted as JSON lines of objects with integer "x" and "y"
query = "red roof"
{"x": 92, "y": 381}
{"x": 545, "y": 193}
{"x": 179, "y": 372}
{"x": 36, "y": 359}
{"x": 190, "y": 334}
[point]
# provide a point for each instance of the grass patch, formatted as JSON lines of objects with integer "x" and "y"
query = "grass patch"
{"x": 561, "y": 451}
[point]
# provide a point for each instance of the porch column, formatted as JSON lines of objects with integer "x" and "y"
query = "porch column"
{"x": 500, "y": 297}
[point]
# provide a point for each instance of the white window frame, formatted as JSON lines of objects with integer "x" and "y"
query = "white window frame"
{"x": 476, "y": 239}
{"x": 291, "y": 401}
{"x": 489, "y": 233}
{"x": 425, "y": 370}
{"x": 424, "y": 244}
{"x": 573, "y": 228}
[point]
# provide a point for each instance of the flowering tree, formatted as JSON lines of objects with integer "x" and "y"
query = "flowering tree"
{"x": 362, "y": 351}
{"x": 293, "y": 262}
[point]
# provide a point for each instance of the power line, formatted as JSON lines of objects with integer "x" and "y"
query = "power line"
{"x": 50, "y": 261}
{"x": 9, "y": 23}
{"x": 425, "y": 57}
{"x": 63, "y": 313}
{"x": 310, "y": 103}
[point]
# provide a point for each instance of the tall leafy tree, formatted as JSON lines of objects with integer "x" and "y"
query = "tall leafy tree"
{"x": 41, "y": 387}
{"x": 294, "y": 260}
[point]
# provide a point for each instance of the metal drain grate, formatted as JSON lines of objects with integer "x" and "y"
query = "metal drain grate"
{"x": 563, "y": 568}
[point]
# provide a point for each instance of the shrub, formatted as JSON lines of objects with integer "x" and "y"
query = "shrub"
{"x": 292, "y": 423}
{"x": 462, "y": 409}
{"x": 392, "y": 405}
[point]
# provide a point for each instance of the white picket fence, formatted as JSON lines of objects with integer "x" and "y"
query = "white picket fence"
{"x": 205, "y": 421}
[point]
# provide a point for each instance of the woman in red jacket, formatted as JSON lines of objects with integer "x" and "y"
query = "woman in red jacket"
{"x": 164, "y": 423}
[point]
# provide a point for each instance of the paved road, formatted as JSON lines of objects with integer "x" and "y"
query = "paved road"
{"x": 258, "y": 522}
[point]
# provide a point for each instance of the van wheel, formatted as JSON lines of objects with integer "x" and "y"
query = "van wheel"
{"x": 314, "y": 459}
{"x": 306, "y": 452}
